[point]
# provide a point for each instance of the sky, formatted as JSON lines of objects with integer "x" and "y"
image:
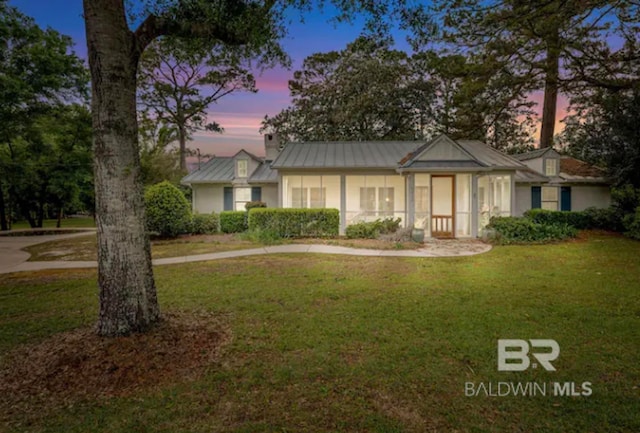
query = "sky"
{"x": 240, "y": 114}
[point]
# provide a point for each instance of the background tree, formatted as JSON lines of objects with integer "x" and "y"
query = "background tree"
{"x": 159, "y": 158}
{"x": 38, "y": 77}
{"x": 536, "y": 42}
{"x": 128, "y": 300}
{"x": 367, "y": 91}
{"x": 180, "y": 80}
{"x": 605, "y": 131}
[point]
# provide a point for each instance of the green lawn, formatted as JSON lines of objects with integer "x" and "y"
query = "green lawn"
{"x": 79, "y": 222}
{"x": 352, "y": 344}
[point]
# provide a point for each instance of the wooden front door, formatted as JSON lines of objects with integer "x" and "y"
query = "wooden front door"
{"x": 442, "y": 206}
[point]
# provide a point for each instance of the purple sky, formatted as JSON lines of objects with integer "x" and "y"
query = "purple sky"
{"x": 240, "y": 114}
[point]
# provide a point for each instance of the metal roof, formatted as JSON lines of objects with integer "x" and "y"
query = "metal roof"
{"x": 527, "y": 175}
{"x": 340, "y": 154}
{"x": 264, "y": 174}
{"x": 531, "y": 155}
{"x": 489, "y": 156}
{"x": 445, "y": 164}
{"x": 216, "y": 170}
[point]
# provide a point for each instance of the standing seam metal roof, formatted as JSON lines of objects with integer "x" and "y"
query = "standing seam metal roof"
{"x": 216, "y": 170}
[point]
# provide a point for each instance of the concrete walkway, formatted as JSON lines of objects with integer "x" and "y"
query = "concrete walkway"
{"x": 17, "y": 260}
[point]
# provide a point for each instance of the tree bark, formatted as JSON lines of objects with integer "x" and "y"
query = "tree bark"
{"x": 3, "y": 212}
{"x": 128, "y": 301}
{"x": 552, "y": 75}
{"x": 182, "y": 137}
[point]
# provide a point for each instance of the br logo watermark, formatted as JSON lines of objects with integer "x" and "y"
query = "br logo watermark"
{"x": 513, "y": 355}
{"x": 519, "y": 355}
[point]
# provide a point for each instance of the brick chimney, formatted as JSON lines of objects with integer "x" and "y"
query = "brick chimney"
{"x": 271, "y": 146}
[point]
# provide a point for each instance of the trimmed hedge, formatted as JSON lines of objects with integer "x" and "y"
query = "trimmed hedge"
{"x": 373, "y": 229}
{"x": 578, "y": 220}
{"x": 632, "y": 225}
{"x": 591, "y": 218}
{"x": 205, "y": 224}
{"x": 510, "y": 230}
{"x": 253, "y": 204}
{"x": 232, "y": 221}
{"x": 168, "y": 212}
{"x": 295, "y": 223}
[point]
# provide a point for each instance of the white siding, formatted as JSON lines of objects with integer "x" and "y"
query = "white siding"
{"x": 270, "y": 195}
{"x": 535, "y": 165}
{"x": 208, "y": 198}
{"x": 583, "y": 197}
{"x": 523, "y": 199}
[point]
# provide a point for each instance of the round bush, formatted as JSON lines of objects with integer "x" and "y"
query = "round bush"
{"x": 205, "y": 224}
{"x": 168, "y": 211}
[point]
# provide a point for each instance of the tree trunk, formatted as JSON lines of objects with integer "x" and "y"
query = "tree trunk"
{"x": 59, "y": 222}
{"x": 182, "y": 137}
{"x": 128, "y": 301}
{"x": 552, "y": 74}
{"x": 3, "y": 211}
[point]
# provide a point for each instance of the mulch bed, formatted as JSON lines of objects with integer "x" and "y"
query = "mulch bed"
{"x": 79, "y": 365}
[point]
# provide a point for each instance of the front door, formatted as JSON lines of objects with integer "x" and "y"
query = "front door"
{"x": 442, "y": 206}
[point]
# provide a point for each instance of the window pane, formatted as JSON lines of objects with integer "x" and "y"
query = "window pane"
{"x": 368, "y": 199}
{"x": 549, "y": 193}
{"x": 299, "y": 197}
{"x": 317, "y": 197}
{"x": 550, "y": 205}
{"x": 242, "y": 168}
{"x": 243, "y": 194}
{"x": 551, "y": 167}
{"x": 386, "y": 202}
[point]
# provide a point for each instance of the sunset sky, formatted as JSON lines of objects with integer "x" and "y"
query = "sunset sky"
{"x": 240, "y": 114}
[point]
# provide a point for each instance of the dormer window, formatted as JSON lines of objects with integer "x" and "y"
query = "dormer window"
{"x": 551, "y": 167}
{"x": 241, "y": 168}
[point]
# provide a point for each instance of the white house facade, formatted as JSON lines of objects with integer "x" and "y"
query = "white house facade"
{"x": 450, "y": 188}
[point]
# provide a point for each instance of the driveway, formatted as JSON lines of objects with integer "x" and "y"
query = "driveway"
{"x": 11, "y": 254}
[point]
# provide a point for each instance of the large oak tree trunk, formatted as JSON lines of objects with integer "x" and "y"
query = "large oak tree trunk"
{"x": 128, "y": 301}
{"x": 552, "y": 75}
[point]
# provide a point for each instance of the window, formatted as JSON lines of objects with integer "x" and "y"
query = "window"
{"x": 243, "y": 196}
{"x": 242, "y": 167}
{"x": 298, "y": 197}
{"x": 550, "y": 197}
{"x": 551, "y": 167}
{"x": 367, "y": 199}
{"x": 385, "y": 201}
{"x": 317, "y": 196}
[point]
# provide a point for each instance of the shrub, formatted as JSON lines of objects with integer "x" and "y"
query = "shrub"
{"x": 508, "y": 230}
{"x": 362, "y": 231}
{"x": 632, "y": 225}
{"x": 295, "y": 223}
{"x": 373, "y": 229}
{"x": 205, "y": 224}
{"x": 266, "y": 237}
{"x": 579, "y": 220}
{"x": 254, "y": 204}
{"x": 400, "y": 235}
{"x": 604, "y": 219}
{"x": 232, "y": 221}
{"x": 168, "y": 212}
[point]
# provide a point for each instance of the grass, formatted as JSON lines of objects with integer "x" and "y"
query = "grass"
{"x": 84, "y": 247}
{"x": 75, "y": 222}
{"x": 346, "y": 344}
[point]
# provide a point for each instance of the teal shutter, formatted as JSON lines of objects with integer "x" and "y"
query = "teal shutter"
{"x": 256, "y": 193}
{"x": 228, "y": 198}
{"x": 536, "y": 197}
{"x": 565, "y": 198}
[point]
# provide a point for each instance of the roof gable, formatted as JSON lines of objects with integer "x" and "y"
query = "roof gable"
{"x": 538, "y": 153}
{"x": 443, "y": 148}
{"x": 243, "y": 153}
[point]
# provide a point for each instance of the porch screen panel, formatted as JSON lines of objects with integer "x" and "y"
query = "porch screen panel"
{"x": 494, "y": 198}
{"x": 311, "y": 192}
{"x": 372, "y": 197}
{"x": 422, "y": 199}
{"x": 463, "y": 205}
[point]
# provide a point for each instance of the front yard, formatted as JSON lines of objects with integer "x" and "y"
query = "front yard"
{"x": 346, "y": 344}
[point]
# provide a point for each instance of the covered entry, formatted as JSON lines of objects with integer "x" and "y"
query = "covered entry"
{"x": 443, "y": 206}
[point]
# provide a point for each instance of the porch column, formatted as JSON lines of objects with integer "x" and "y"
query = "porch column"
{"x": 474, "y": 205}
{"x": 513, "y": 194}
{"x": 280, "y": 200}
{"x": 343, "y": 204}
{"x": 411, "y": 203}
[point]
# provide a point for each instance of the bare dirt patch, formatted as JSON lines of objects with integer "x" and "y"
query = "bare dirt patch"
{"x": 79, "y": 365}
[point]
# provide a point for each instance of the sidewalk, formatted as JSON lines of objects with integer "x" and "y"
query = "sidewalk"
{"x": 19, "y": 263}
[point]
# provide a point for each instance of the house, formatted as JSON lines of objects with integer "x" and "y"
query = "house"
{"x": 450, "y": 188}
